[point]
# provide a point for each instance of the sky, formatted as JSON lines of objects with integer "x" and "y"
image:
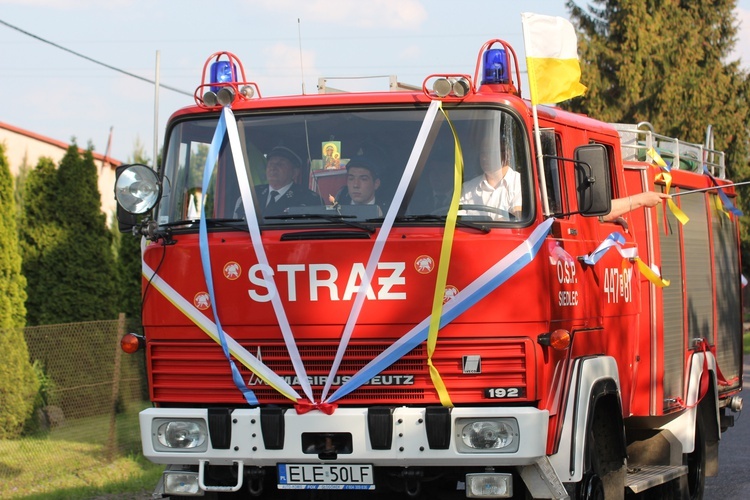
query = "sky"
{"x": 284, "y": 45}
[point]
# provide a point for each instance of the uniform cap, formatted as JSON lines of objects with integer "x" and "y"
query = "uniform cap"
{"x": 287, "y": 153}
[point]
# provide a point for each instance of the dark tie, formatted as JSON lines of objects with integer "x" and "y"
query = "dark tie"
{"x": 272, "y": 198}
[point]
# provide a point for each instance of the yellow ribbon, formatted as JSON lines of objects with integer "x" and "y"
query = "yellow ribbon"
{"x": 720, "y": 206}
{"x": 650, "y": 275}
{"x": 656, "y": 158}
{"x": 666, "y": 178}
{"x": 442, "y": 273}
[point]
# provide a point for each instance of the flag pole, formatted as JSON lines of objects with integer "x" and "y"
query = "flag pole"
{"x": 537, "y": 132}
{"x": 540, "y": 161}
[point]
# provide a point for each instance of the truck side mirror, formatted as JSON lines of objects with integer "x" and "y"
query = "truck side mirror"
{"x": 126, "y": 221}
{"x": 592, "y": 180}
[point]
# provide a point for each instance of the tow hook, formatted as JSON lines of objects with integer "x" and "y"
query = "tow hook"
{"x": 255, "y": 481}
{"x": 412, "y": 481}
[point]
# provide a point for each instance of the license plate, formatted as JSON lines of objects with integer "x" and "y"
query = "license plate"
{"x": 325, "y": 477}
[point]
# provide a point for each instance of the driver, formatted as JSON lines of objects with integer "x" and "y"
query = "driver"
{"x": 499, "y": 186}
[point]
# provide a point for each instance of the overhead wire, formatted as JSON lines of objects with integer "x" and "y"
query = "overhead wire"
{"x": 108, "y": 66}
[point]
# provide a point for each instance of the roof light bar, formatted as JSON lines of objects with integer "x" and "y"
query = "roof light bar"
{"x": 498, "y": 68}
{"x": 224, "y": 82}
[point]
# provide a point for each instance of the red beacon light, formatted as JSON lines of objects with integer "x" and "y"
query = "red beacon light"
{"x": 222, "y": 84}
{"x": 496, "y": 66}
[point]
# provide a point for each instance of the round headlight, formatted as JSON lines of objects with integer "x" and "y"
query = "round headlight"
{"x": 487, "y": 435}
{"x": 181, "y": 434}
{"x": 137, "y": 189}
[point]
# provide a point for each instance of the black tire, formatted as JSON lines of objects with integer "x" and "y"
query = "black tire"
{"x": 696, "y": 461}
{"x": 604, "y": 477}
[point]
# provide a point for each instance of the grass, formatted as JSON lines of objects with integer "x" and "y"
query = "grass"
{"x": 133, "y": 474}
{"x": 73, "y": 461}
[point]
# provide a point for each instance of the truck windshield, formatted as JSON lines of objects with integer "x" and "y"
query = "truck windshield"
{"x": 349, "y": 164}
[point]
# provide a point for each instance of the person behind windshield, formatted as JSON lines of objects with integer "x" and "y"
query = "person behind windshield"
{"x": 283, "y": 168}
{"x": 362, "y": 183}
{"x": 499, "y": 186}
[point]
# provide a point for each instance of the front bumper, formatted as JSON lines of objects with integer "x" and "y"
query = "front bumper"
{"x": 409, "y": 444}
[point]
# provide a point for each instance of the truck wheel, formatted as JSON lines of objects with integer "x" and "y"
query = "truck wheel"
{"x": 605, "y": 467}
{"x": 696, "y": 461}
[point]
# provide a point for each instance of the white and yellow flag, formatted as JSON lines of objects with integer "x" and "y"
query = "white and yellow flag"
{"x": 551, "y": 58}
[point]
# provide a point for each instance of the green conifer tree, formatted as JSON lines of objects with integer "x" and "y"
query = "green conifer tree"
{"x": 69, "y": 263}
{"x": 18, "y": 383}
{"x": 39, "y": 236}
{"x": 667, "y": 62}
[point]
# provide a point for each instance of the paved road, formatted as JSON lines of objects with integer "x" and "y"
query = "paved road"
{"x": 733, "y": 480}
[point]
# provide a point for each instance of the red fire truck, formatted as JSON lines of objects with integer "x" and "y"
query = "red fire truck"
{"x": 335, "y": 296}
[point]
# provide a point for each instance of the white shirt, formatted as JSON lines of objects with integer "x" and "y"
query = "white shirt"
{"x": 280, "y": 192}
{"x": 505, "y": 196}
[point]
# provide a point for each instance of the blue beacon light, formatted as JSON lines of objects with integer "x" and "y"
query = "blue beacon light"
{"x": 494, "y": 67}
{"x": 222, "y": 72}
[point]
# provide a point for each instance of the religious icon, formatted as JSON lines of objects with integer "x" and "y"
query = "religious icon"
{"x": 331, "y": 155}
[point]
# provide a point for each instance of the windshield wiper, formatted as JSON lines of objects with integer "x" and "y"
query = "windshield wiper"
{"x": 329, "y": 218}
{"x": 233, "y": 223}
{"x": 439, "y": 218}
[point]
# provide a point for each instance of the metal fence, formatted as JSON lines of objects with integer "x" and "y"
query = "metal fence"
{"x": 87, "y": 412}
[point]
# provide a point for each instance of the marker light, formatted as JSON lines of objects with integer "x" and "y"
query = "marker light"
{"x": 495, "y": 70}
{"x": 131, "y": 342}
{"x": 222, "y": 72}
{"x": 247, "y": 91}
{"x": 559, "y": 340}
{"x": 137, "y": 189}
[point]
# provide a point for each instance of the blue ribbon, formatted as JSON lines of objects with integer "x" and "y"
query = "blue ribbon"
{"x": 728, "y": 205}
{"x": 213, "y": 154}
{"x": 610, "y": 241}
{"x": 476, "y": 291}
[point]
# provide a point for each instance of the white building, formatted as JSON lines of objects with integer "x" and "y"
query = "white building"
{"x": 26, "y": 146}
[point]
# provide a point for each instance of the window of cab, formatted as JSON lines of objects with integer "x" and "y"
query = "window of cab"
{"x": 310, "y": 167}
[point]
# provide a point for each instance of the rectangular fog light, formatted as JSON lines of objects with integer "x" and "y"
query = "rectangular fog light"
{"x": 489, "y": 485}
{"x": 182, "y": 483}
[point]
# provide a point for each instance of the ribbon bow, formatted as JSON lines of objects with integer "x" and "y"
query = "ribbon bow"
{"x": 303, "y": 407}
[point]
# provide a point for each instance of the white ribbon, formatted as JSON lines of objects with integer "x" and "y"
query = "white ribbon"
{"x": 428, "y": 125}
{"x": 252, "y": 224}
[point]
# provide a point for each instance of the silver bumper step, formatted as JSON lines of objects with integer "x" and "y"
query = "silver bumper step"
{"x": 642, "y": 477}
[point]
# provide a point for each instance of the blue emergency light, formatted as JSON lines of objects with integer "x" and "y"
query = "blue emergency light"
{"x": 494, "y": 67}
{"x": 222, "y": 72}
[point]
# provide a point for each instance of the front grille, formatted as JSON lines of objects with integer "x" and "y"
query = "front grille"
{"x": 198, "y": 372}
